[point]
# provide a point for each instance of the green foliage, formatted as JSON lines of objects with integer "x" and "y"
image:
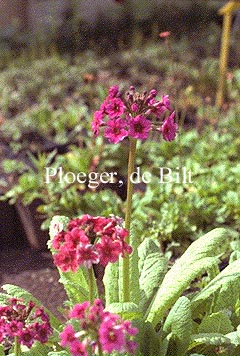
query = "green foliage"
{"x": 152, "y": 267}
{"x": 75, "y": 285}
{"x": 217, "y": 291}
{"x": 36, "y": 349}
{"x": 216, "y": 322}
{"x": 58, "y": 196}
{"x": 179, "y": 324}
{"x": 201, "y": 255}
{"x": 126, "y": 310}
{"x": 111, "y": 282}
{"x": 187, "y": 307}
{"x": 58, "y": 353}
{"x": 182, "y": 212}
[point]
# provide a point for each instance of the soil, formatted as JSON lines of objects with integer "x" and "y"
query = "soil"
{"x": 34, "y": 271}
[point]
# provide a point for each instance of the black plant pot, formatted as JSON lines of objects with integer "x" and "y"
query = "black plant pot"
{"x": 11, "y": 231}
{"x": 31, "y": 222}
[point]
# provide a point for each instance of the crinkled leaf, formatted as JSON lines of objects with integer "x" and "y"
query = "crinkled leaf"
{"x": 110, "y": 280}
{"x": 149, "y": 340}
{"x": 223, "y": 290}
{"x": 3, "y": 298}
{"x": 76, "y": 285}
{"x": 152, "y": 267}
{"x": 18, "y": 292}
{"x": 234, "y": 337}
{"x": 206, "y": 343}
{"x": 199, "y": 257}
{"x": 216, "y": 323}
{"x": 179, "y": 324}
{"x": 38, "y": 349}
{"x": 126, "y": 310}
{"x": 164, "y": 345}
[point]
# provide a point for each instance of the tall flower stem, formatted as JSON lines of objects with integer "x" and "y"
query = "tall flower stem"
{"x": 90, "y": 284}
{"x": 126, "y": 260}
{"x": 17, "y": 347}
{"x": 100, "y": 353}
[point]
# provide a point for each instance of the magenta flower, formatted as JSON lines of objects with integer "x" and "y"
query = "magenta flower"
{"x": 115, "y": 130}
{"x": 169, "y": 128}
{"x": 97, "y": 122}
{"x": 131, "y": 116}
{"x": 77, "y": 348}
{"x": 87, "y": 255}
{"x": 96, "y": 329}
{"x": 114, "y": 108}
{"x": 26, "y": 337}
{"x": 111, "y": 335}
{"x": 28, "y": 322}
{"x": 90, "y": 240}
{"x": 113, "y": 91}
{"x": 67, "y": 335}
{"x": 109, "y": 250}
{"x": 139, "y": 127}
{"x": 79, "y": 310}
{"x": 66, "y": 259}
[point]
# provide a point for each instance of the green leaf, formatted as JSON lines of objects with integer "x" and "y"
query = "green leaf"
{"x": 199, "y": 257}
{"x": 179, "y": 324}
{"x": 223, "y": 290}
{"x": 76, "y": 285}
{"x": 234, "y": 337}
{"x": 152, "y": 266}
{"x": 37, "y": 349}
{"x": 206, "y": 343}
{"x": 2, "y": 353}
{"x": 3, "y": 298}
{"x": 216, "y": 322}
{"x": 58, "y": 353}
{"x": 148, "y": 340}
{"x": 126, "y": 310}
{"x": 18, "y": 292}
{"x": 110, "y": 280}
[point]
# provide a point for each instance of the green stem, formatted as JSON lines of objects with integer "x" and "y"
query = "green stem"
{"x": 90, "y": 284}
{"x": 100, "y": 353}
{"x": 126, "y": 260}
{"x": 17, "y": 347}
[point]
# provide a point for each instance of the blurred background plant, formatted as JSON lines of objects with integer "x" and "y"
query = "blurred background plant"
{"x": 51, "y": 85}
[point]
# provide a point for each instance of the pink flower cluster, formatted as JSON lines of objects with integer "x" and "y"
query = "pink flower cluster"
{"x": 99, "y": 330}
{"x": 134, "y": 116}
{"x": 27, "y": 322}
{"x": 90, "y": 240}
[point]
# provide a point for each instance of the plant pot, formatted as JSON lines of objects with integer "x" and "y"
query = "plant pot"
{"x": 11, "y": 232}
{"x": 31, "y": 222}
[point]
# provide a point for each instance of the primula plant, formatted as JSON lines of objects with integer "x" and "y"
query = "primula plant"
{"x": 23, "y": 324}
{"x": 124, "y": 296}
